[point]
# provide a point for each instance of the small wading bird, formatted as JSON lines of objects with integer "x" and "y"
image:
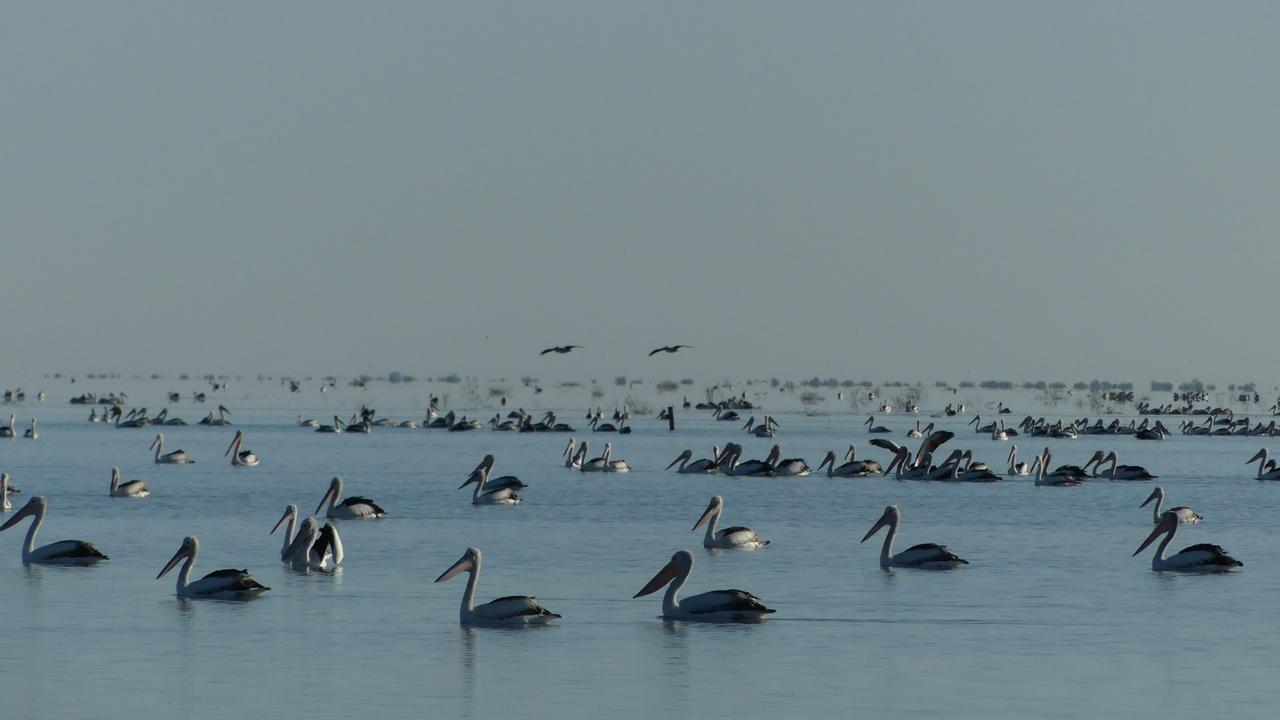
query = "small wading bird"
{"x": 217, "y": 585}
{"x": 668, "y": 349}
{"x": 714, "y": 606}
{"x": 509, "y": 610}
{"x": 560, "y": 349}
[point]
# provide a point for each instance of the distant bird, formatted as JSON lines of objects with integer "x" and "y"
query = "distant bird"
{"x": 668, "y": 349}
{"x": 560, "y": 349}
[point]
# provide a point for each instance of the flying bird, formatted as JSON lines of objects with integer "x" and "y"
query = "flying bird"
{"x": 668, "y": 349}
{"x": 560, "y": 349}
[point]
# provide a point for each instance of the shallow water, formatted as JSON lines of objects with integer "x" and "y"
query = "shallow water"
{"x": 1053, "y": 618}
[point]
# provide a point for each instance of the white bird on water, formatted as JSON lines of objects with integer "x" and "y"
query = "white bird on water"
{"x": 1203, "y": 558}
{"x": 730, "y": 538}
{"x": 66, "y": 552}
{"x": 509, "y": 610}
{"x": 217, "y": 585}
{"x": 177, "y": 457}
{"x": 131, "y": 489}
{"x": 240, "y": 458}
{"x": 312, "y": 547}
{"x": 713, "y": 606}
{"x": 926, "y": 556}
{"x": 352, "y": 508}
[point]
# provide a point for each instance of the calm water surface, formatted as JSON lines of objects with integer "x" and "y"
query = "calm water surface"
{"x": 1053, "y": 618}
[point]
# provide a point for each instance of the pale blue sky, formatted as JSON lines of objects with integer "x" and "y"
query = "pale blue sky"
{"x": 880, "y": 190}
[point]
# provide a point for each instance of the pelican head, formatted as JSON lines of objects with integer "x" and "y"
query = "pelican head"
{"x": 333, "y": 493}
{"x": 686, "y": 455}
{"x": 479, "y": 475}
{"x": 1260, "y": 455}
{"x": 190, "y": 546}
{"x": 1155, "y": 495}
{"x": 467, "y": 563}
{"x": 1168, "y": 524}
{"x": 713, "y": 508}
{"x": 34, "y": 506}
{"x": 680, "y": 563}
{"x": 158, "y": 442}
{"x": 891, "y": 516}
{"x": 290, "y": 512}
{"x": 828, "y": 459}
{"x": 485, "y": 464}
{"x": 235, "y": 442}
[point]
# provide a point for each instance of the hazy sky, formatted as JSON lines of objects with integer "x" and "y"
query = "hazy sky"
{"x": 881, "y": 190}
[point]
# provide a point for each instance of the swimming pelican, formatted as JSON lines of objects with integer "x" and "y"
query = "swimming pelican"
{"x": 1017, "y": 468}
{"x": 871, "y": 428}
{"x": 312, "y": 547}
{"x": 352, "y": 508}
{"x": 131, "y": 489}
{"x": 505, "y": 481}
{"x": 786, "y": 467}
{"x": 1197, "y": 558}
{"x": 217, "y": 585}
{"x": 611, "y": 465}
{"x": 1185, "y": 514}
{"x": 486, "y": 496}
{"x": 309, "y": 422}
{"x": 927, "y": 556}
{"x": 1117, "y": 472}
{"x": 509, "y": 610}
{"x": 1058, "y": 478}
{"x": 594, "y": 464}
{"x": 177, "y": 457}
{"x": 852, "y": 468}
{"x": 701, "y": 466}
{"x": 5, "y": 504}
{"x": 8, "y": 431}
{"x": 1264, "y": 472}
{"x": 30, "y": 433}
{"x": 730, "y": 538}
{"x": 571, "y": 459}
{"x": 241, "y": 458}
{"x": 714, "y": 606}
{"x": 66, "y": 552}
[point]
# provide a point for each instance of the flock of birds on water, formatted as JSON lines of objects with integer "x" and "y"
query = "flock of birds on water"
{"x": 309, "y": 546}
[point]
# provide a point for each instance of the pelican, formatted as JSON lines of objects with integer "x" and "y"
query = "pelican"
{"x": 688, "y": 466}
{"x": 241, "y": 458}
{"x": 594, "y": 464}
{"x": 852, "y": 468}
{"x": 731, "y": 463}
{"x": 1117, "y": 472}
{"x": 8, "y": 431}
{"x": 787, "y": 467}
{"x": 668, "y": 349}
{"x": 1065, "y": 476}
{"x": 560, "y": 349}
{"x": 309, "y": 422}
{"x": 177, "y": 457}
{"x": 486, "y": 496}
{"x": 571, "y": 458}
{"x": 66, "y": 552}
{"x": 5, "y": 504}
{"x": 1185, "y": 514}
{"x": 871, "y": 428}
{"x": 731, "y": 538}
{"x": 714, "y": 606}
{"x": 312, "y": 547}
{"x": 217, "y": 585}
{"x": 1017, "y": 468}
{"x": 352, "y": 508}
{"x": 509, "y": 610}
{"x": 917, "y": 432}
{"x": 1264, "y": 472}
{"x": 611, "y": 465}
{"x": 506, "y": 481}
{"x": 131, "y": 489}
{"x": 30, "y": 433}
{"x": 927, "y": 556}
{"x": 1197, "y": 558}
